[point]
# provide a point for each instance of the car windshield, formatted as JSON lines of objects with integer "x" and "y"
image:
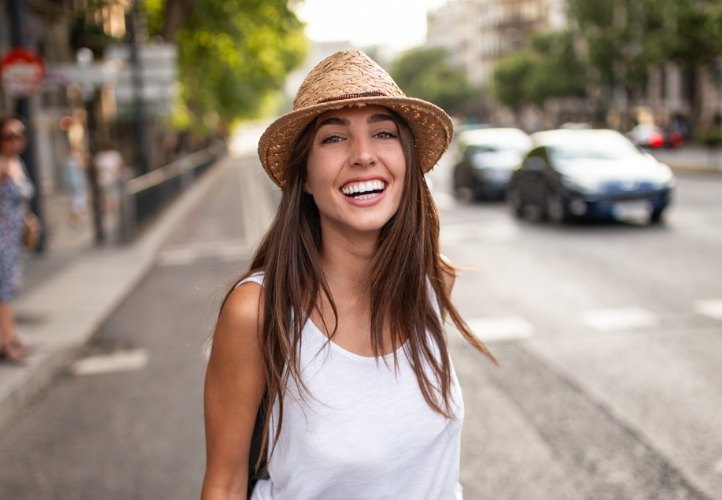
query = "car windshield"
{"x": 513, "y": 144}
{"x": 609, "y": 147}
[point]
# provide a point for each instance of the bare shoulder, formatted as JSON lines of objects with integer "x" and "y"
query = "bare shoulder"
{"x": 240, "y": 315}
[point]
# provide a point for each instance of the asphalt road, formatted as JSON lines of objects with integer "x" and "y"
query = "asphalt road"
{"x": 607, "y": 334}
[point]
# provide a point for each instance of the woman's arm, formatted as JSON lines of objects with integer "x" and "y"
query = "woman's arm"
{"x": 234, "y": 386}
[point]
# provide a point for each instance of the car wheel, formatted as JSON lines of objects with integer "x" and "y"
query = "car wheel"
{"x": 656, "y": 216}
{"x": 513, "y": 197}
{"x": 555, "y": 209}
{"x": 462, "y": 192}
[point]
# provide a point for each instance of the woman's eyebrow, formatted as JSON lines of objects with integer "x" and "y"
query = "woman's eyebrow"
{"x": 379, "y": 117}
{"x": 334, "y": 120}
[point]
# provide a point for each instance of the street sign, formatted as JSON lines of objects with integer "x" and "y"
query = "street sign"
{"x": 22, "y": 72}
{"x": 158, "y": 64}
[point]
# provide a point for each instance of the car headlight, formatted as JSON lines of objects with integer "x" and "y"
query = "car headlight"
{"x": 666, "y": 177}
{"x": 580, "y": 184}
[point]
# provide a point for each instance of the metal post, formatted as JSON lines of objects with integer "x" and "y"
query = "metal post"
{"x": 95, "y": 191}
{"x": 84, "y": 58}
{"x": 141, "y": 137}
{"x": 17, "y": 12}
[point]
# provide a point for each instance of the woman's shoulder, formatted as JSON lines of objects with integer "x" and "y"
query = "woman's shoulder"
{"x": 244, "y": 299}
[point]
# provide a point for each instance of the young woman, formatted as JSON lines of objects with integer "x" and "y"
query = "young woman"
{"x": 337, "y": 328}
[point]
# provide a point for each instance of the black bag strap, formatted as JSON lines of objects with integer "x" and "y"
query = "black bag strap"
{"x": 256, "y": 441}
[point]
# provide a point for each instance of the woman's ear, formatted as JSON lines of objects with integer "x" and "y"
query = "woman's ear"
{"x": 306, "y": 189}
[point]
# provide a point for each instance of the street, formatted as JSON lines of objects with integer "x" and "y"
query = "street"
{"x": 608, "y": 335}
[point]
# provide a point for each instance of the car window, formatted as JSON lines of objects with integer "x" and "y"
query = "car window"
{"x": 594, "y": 148}
{"x": 533, "y": 162}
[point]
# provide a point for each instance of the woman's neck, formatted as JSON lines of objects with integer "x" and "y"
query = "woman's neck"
{"x": 347, "y": 262}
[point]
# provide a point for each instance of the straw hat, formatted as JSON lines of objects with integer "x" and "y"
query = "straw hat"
{"x": 351, "y": 78}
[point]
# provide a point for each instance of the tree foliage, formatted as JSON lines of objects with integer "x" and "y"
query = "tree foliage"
{"x": 693, "y": 30}
{"x": 426, "y": 73}
{"x": 616, "y": 35}
{"x": 232, "y": 54}
{"x": 626, "y": 38}
{"x": 550, "y": 68}
{"x": 509, "y": 80}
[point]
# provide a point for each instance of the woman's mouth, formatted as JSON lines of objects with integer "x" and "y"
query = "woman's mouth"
{"x": 364, "y": 190}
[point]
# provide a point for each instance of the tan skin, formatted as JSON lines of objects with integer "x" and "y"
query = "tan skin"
{"x": 235, "y": 378}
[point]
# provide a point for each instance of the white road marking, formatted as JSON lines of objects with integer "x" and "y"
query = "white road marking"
{"x": 501, "y": 328}
{"x": 711, "y": 308}
{"x": 114, "y": 362}
{"x": 607, "y": 320}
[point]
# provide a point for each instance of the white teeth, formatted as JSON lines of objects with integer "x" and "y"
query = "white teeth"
{"x": 363, "y": 187}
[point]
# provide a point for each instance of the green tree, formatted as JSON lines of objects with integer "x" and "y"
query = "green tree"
{"x": 426, "y": 73}
{"x": 625, "y": 38}
{"x": 510, "y": 80}
{"x": 232, "y": 55}
{"x": 692, "y": 39}
{"x": 558, "y": 71}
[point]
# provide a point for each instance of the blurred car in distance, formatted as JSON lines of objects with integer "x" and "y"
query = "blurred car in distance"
{"x": 485, "y": 160}
{"x": 652, "y": 136}
{"x": 594, "y": 173}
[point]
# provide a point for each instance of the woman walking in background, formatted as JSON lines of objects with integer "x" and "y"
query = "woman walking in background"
{"x": 15, "y": 191}
{"x": 337, "y": 327}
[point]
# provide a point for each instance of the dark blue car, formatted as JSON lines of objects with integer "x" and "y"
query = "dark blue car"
{"x": 594, "y": 173}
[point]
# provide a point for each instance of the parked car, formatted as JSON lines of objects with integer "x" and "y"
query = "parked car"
{"x": 652, "y": 136}
{"x": 593, "y": 173}
{"x": 485, "y": 160}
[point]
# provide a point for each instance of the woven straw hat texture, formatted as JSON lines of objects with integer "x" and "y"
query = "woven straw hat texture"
{"x": 351, "y": 78}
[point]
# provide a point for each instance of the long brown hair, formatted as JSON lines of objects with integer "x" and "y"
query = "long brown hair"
{"x": 406, "y": 260}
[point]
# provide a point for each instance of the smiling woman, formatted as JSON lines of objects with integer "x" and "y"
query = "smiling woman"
{"x": 337, "y": 328}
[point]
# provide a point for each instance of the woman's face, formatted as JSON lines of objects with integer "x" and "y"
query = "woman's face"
{"x": 356, "y": 169}
{"x": 12, "y": 138}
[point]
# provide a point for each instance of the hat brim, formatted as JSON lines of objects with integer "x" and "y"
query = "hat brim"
{"x": 430, "y": 125}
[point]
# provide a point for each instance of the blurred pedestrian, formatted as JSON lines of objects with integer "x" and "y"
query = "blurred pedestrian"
{"x": 109, "y": 165}
{"x": 16, "y": 190}
{"x": 338, "y": 325}
{"x": 76, "y": 183}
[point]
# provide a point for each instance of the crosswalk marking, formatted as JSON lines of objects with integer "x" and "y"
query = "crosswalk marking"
{"x": 494, "y": 329}
{"x": 711, "y": 308}
{"x": 113, "y": 362}
{"x": 622, "y": 318}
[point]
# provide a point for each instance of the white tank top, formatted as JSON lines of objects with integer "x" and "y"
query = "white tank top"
{"x": 364, "y": 430}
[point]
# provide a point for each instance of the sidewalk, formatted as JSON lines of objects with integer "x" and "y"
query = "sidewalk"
{"x": 691, "y": 158}
{"x": 72, "y": 289}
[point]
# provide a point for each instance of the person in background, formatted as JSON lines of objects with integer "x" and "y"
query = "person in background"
{"x": 337, "y": 327}
{"x": 76, "y": 184}
{"x": 16, "y": 190}
{"x": 109, "y": 165}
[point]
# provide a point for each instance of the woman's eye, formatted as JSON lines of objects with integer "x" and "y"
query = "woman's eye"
{"x": 385, "y": 134}
{"x": 331, "y": 139}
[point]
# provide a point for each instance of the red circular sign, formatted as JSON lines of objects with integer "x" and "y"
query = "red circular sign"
{"x": 22, "y": 72}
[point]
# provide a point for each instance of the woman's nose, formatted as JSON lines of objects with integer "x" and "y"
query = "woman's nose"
{"x": 362, "y": 154}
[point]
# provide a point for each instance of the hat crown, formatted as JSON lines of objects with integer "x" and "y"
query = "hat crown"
{"x": 345, "y": 75}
